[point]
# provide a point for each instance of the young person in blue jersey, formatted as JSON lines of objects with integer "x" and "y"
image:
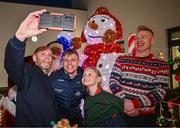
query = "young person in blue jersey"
{"x": 35, "y": 105}
{"x": 67, "y": 88}
{"x": 141, "y": 79}
{"x": 101, "y": 109}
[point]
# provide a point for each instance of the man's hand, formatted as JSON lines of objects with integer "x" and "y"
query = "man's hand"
{"x": 29, "y": 27}
{"x": 134, "y": 112}
{"x": 129, "y": 108}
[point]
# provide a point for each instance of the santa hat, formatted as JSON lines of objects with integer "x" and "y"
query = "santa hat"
{"x": 104, "y": 11}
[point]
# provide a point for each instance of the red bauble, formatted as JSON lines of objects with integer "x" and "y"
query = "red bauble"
{"x": 177, "y": 77}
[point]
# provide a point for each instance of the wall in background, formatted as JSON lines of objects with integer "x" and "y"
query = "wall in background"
{"x": 11, "y": 15}
{"x": 70, "y": 4}
{"x": 157, "y": 14}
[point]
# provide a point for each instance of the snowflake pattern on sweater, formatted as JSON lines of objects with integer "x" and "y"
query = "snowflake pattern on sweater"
{"x": 143, "y": 80}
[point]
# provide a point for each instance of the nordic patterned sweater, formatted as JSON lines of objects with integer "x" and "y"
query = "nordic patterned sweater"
{"x": 143, "y": 80}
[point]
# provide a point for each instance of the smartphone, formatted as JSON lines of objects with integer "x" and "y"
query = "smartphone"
{"x": 57, "y": 21}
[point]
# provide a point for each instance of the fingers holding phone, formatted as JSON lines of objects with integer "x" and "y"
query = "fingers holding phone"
{"x": 40, "y": 21}
{"x": 58, "y": 21}
{"x": 30, "y": 26}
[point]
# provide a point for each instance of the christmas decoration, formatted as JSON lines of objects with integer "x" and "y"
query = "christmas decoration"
{"x": 161, "y": 121}
{"x": 177, "y": 70}
{"x": 177, "y": 77}
{"x": 170, "y": 62}
{"x": 161, "y": 56}
{"x": 63, "y": 123}
{"x": 131, "y": 43}
{"x": 101, "y": 35}
{"x": 173, "y": 106}
{"x": 173, "y": 103}
{"x": 8, "y": 108}
{"x": 64, "y": 39}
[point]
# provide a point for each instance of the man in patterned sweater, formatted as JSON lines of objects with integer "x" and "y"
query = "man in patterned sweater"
{"x": 140, "y": 79}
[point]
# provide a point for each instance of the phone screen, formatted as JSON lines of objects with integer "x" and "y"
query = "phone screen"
{"x": 57, "y": 21}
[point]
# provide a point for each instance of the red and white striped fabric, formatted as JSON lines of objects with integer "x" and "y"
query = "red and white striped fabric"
{"x": 131, "y": 43}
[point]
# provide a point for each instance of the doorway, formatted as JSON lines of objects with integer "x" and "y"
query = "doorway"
{"x": 173, "y": 35}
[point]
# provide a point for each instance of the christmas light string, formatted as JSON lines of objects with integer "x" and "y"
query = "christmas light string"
{"x": 162, "y": 120}
{"x": 171, "y": 103}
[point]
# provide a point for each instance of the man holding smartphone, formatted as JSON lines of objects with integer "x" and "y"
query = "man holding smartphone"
{"x": 35, "y": 102}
